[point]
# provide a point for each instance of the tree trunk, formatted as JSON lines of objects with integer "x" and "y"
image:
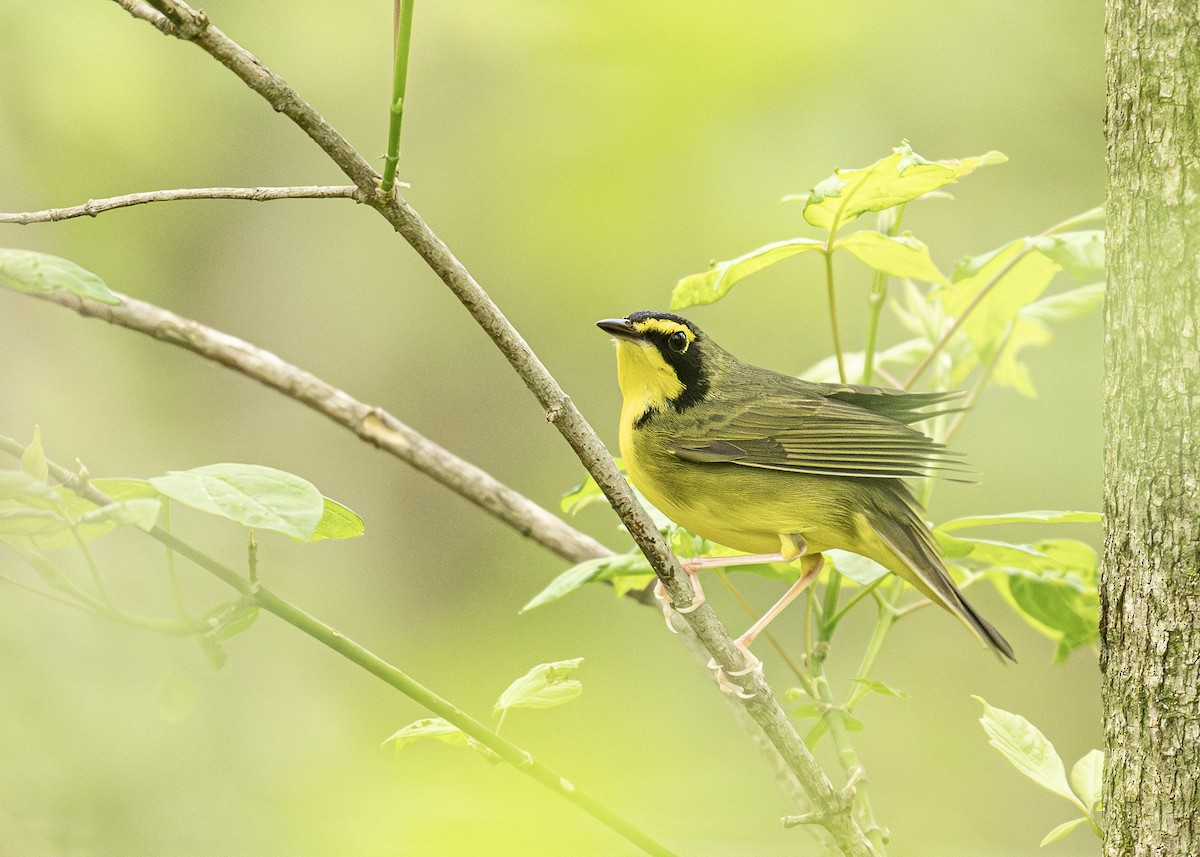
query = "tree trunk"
{"x": 1150, "y": 586}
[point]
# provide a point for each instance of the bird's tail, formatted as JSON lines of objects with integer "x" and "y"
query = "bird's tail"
{"x": 903, "y": 530}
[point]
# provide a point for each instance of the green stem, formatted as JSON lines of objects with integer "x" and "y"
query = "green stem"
{"x": 93, "y": 569}
{"x": 381, "y": 669}
{"x": 834, "y": 719}
{"x": 887, "y": 618}
{"x": 172, "y": 578}
{"x": 876, "y": 301}
{"x": 833, "y": 318}
{"x": 522, "y": 760}
{"x": 399, "y": 85}
{"x": 983, "y": 292}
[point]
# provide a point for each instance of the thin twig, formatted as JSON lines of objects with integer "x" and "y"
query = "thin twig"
{"x": 93, "y": 207}
{"x": 372, "y": 424}
{"x": 833, "y": 807}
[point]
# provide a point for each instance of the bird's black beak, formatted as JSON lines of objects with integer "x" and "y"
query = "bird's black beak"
{"x": 619, "y": 327}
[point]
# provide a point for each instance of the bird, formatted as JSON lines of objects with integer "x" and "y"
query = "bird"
{"x": 780, "y": 468}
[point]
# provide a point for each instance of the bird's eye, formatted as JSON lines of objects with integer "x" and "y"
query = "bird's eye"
{"x": 678, "y": 341}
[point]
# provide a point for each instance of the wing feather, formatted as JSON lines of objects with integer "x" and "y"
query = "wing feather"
{"x": 825, "y": 429}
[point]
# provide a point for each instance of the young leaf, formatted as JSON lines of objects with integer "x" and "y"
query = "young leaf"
{"x": 1012, "y": 277}
{"x": 141, "y": 513}
{"x": 896, "y": 256}
{"x": 601, "y": 568}
{"x": 30, "y": 522}
{"x": 262, "y": 498}
{"x": 1061, "y": 831}
{"x": 20, "y": 486}
{"x": 337, "y": 522}
{"x": 435, "y": 728}
{"x": 26, "y": 271}
{"x": 1060, "y": 603}
{"x": 1087, "y": 779}
{"x": 900, "y": 177}
{"x": 33, "y": 459}
{"x": 907, "y": 353}
{"x": 1068, "y": 305}
{"x": 880, "y": 688}
{"x": 710, "y": 286}
{"x": 1080, "y": 254}
{"x": 544, "y": 686}
{"x": 227, "y": 620}
{"x": 857, "y": 568}
{"x": 1039, "y": 516}
{"x": 1025, "y": 748}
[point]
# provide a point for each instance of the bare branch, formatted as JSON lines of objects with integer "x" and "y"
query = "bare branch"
{"x": 372, "y": 424}
{"x": 828, "y": 804}
{"x": 93, "y": 207}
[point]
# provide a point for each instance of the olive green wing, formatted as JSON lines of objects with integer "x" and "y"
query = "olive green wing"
{"x": 823, "y": 430}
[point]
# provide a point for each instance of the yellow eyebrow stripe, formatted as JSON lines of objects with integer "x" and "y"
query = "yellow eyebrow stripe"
{"x": 663, "y": 326}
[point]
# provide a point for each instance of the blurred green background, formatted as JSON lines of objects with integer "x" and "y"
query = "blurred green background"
{"x": 579, "y": 158}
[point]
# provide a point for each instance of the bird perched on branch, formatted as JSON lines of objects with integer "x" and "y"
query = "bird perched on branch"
{"x": 780, "y": 468}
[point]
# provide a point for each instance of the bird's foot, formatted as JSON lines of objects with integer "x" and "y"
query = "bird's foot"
{"x": 753, "y": 665}
{"x": 668, "y": 606}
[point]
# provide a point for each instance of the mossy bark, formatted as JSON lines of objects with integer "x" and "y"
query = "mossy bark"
{"x": 1150, "y": 587}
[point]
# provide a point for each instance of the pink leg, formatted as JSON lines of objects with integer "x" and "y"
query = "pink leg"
{"x": 694, "y": 564}
{"x": 788, "y": 597}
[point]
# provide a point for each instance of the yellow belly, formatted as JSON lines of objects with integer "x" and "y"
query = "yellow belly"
{"x": 744, "y": 508}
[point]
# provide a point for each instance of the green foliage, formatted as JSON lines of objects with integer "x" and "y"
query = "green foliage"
{"x": 544, "y": 686}
{"x": 27, "y": 271}
{"x": 896, "y": 180}
{"x": 36, "y": 517}
{"x": 1031, "y": 753}
{"x": 547, "y": 685}
{"x": 255, "y": 496}
{"x": 901, "y": 177}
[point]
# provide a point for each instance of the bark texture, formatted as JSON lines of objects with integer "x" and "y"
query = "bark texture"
{"x": 1150, "y": 587}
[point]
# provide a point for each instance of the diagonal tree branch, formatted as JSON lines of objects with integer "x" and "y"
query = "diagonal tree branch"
{"x": 831, "y": 807}
{"x": 93, "y": 207}
{"x": 372, "y": 424}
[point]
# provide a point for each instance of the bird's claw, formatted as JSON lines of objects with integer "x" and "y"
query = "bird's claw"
{"x": 753, "y": 665}
{"x": 668, "y": 606}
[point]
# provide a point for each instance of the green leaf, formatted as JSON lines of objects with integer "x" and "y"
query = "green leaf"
{"x": 1080, "y": 254}
{"x": 337, "y": 522}
{"x": 907, "y": 353}
{"x": 1003, "y": 283}
{"x": 857, "y": 568}
{"x": 544, "y": 686}
{"x": 1068, "y": 305}
{"x": 141, "y": 513}
{"x": 1061, "y": 603}
{"x": 601, "y": 568}
{"x": 880, "y": 688}
{"x": 710, "y": 286}
{"x": 92, "y": 526}
{"x": 226, "y": 621}
{"x": 435, "y": 728}
{"x": 19, "y": 485}
{"x": 1039, "y": 516}
{"x": 30, "y": 522}
{"x": 896, "y": 256}
{"x": 262, "y": 498}
{"x": 1025, "y": 748}
{"x": 900, "y": 177}
{"x": 1087, "y": 779}
{"x": 26, "y": 271}
{"x": 176, "y": 695}
{"x": 1061, "y": 831}
{"x": 33, "y": 459}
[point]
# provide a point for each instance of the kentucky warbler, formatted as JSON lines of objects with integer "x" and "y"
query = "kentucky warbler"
{"x": 779, "y": 467}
